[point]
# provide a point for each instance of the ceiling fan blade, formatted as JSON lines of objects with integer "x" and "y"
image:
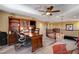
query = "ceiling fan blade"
{"x": 56, "y": 11}
{"x": 43, "y": 14}
{"x": 41, "y": 10}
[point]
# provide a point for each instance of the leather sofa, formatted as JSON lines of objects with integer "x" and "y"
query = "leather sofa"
{"x": 70, "y": 37}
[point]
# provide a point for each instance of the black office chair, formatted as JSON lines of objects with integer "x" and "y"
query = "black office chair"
{"x": 22, "y": 40}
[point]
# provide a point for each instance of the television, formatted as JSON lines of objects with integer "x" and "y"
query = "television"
{"x": 33, "y": 23}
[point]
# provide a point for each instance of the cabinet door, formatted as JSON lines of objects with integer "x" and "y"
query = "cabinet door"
{"x": 34, "y": 43}
{"x": 40, "y": 41}
{"x": 11, "y": 40}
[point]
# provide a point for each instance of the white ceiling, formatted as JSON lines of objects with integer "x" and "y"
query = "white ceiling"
{"x": 69, "y": 12}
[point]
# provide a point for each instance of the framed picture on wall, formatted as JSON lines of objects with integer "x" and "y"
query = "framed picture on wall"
{"x": 69, "y": 27}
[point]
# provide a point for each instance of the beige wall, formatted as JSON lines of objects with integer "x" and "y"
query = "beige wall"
{"x": 4, "y": 22}
{"x": 42, "y": 26}
{"x": 71, "y": 33}
{"x": 62, "y": 26}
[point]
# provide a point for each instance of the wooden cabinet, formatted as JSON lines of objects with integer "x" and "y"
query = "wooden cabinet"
{"x": 20, "y": 24}
{"x": 11, "y": 39}
{"x": 40, "y": 41}
{"x": 36, "y": 42}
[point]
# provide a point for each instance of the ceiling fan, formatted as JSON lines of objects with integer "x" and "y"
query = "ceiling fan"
{"x": 49, "y": 11}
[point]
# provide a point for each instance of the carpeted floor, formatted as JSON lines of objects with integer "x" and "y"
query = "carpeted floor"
{"x": 47, "y": 42}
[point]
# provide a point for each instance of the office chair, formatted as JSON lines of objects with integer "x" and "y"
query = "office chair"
{"x": 22, "y": 40}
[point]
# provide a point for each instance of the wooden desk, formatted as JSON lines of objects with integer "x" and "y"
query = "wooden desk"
{"x": 36, "y": 41}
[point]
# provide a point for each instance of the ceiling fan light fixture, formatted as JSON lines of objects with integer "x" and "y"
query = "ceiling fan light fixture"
{"x": 47, "y": 13}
